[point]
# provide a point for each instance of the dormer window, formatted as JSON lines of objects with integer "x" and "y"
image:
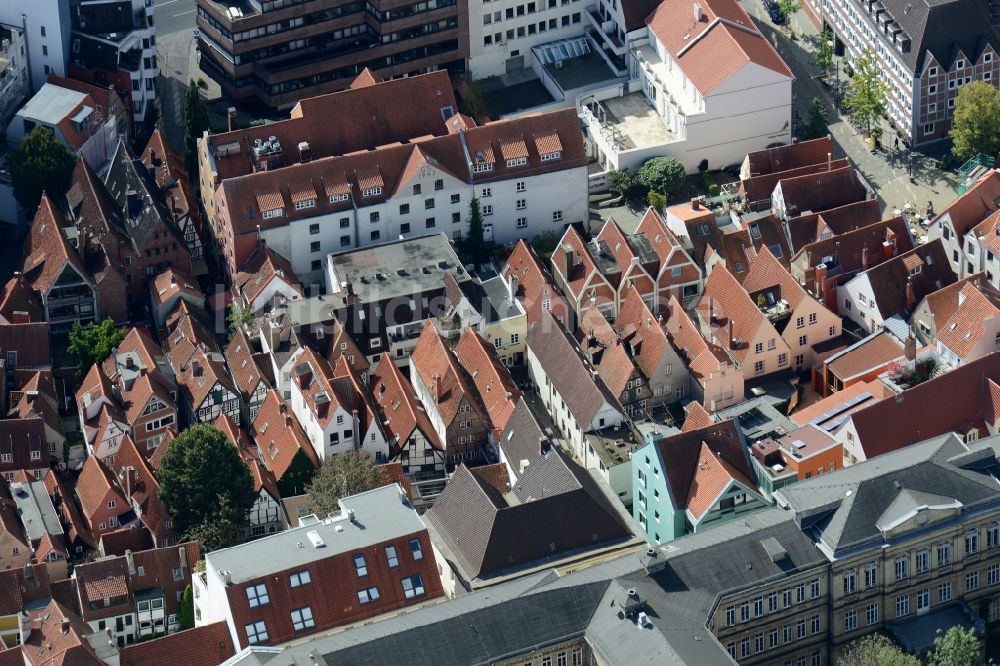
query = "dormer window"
{"x": 548, "y": 157}
{"x": 480, "y": 167}
{"x": 915, "y": 270}
{"x": 371, "y": 192}
{"x": 303, "y": 205}
{"x": 273, "y": 213}
{"x": 516, "y": 162}
{"x": 337, "y": 198}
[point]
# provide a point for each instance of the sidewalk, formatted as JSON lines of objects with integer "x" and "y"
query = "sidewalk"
{"x": 887, "y": 170}
{"x": 177, "y": 55}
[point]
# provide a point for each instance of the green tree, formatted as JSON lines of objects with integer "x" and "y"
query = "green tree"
{"x": 789, "y": 8}
{"x": 93, "y": 343}
{"x": 195, "y": 124}
{"x": 204, "y": 480}
{"x": 544, "y": 244}
{"x": 875, "y": 650}
{"x": 621, "y": 181}
{"x": 342, "y": 476}
{"x": 656, "y": 200}
{"x": 975, "y": 126}
{"x": 957, "y": 647}
{"x": 239, "y": 317}
{"x": 473, "y": 243}
{"x": 866, "y": 93}
{"x": 185, "y": 616}
{"x": 40, "y": 164}
{"x": 818, "y": 122}
{"x": 824, "y": 52}
{"x": 216, "y": 533}
{"x": 663, "y": 174}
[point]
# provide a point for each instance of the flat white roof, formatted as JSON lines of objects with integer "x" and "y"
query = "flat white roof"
{"x": 51, "y": 104}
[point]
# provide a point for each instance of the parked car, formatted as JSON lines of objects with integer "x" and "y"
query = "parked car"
{"x": 777, "y": 16}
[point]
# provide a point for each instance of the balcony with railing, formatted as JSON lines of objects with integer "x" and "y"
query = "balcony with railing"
{"x": 604, "y": 28}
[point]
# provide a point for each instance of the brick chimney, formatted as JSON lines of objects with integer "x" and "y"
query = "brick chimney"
{"x": 864, "y": 256}
{"x": 696, "y": 204}
{"x": 20, "y": 317}
{"x": 437, "y": 390}
{"x": 910, "y": 347}
{"x": 911, "y": 298}
{"x": 819, "y": 280}
{"x": 130, "y": 562}
{"x": 231, "y": 118}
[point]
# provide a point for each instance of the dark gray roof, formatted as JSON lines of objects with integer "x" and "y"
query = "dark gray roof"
{"x": 523, "y": 438}
{"x": 94, "y": 53}
{"x": 555, "y": 508}
{"x": 560, "y": 357}
{"x": 105, "y": 18}
{"x": 943, "y": 28}
{"x": 483, "y": 634}
{"x": 140, "y": 199}
{"x": 844, "y": 509}
{"x": 917, "y": 634}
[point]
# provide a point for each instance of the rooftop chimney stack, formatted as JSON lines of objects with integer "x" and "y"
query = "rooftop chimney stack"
{"x": 910, "y": 348}
{"x": 231, "y": 118}
{"x": 911, "y": 298}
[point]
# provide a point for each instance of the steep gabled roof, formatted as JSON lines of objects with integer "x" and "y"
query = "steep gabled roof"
{"x": 279, "y": 436}
{"x": 686, "y": 468}
{"x": 491, "y": 378}
{"x": 19, "y": 297}
{"x": 94, "y": 485}
{"x": 702, "y": 357}
{"x": 397, "y": 402}
{"x": 821, "y": 191}
{"x": 207, "y": 645}
{"x": 768, "y": 275}
{"x": 642, "y": 332}
{"x": 48, "y": 251}
{"x": 260, "y": 268}
{"x": 967, "y": 326}
{"x": 556, "y": 507}
{"x": 925, "y": 266}
{"x": 564, "y": 365}
{"x": 136, "y": 479}
{"x": 809, "y": 228}
{"x": 241, "y": 358}
{"x": 713, "y": 475}
{"x": 728, "y": 301}
{"x": 437, "y": 367}
{"x": 717, "y": 45}
{"x": 848, "y": 249}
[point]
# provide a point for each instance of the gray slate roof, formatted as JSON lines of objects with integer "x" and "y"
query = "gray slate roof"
{"x": 942, "y": 27}
{"x": 555, "y": 508}
{"x": 563, "y": 362}
{"x": 843, "y": 509}
{"x": 139, "y": 197}
{"x": 522, "y": 438}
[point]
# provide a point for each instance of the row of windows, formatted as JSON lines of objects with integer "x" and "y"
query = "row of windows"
{"x": 530, "y": 29}
{"x": 788, "y": 634}
{"x": 756, "y": 605}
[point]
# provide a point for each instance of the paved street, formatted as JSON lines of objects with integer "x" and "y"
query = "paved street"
{"x": 886, "y": 171}
{"x": 174, "y": 16}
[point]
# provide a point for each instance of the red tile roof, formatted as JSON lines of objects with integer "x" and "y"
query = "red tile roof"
{"x": 207, "y": 645}
{"x": 50, "y": 644}
{"x": 279, "y": 436}
{"x": 260, "y": 268}
{"x": 958, "y": 400}
{"x": 94, "y": 486}
{"x": 889, "y": 279}
{"x": 712, "y": 476}
{"x": 642, "y": 332}
{"x": 534, "y": 282}
{"x": 18, "y": 302}
{"x": 696, "y": 417}
{"x": 791, "y": 156}
{"x": 702, "y": 357}
{"x": 966, "y": 327}
{"x": 768, "y": 275}
{"x": 758, "y": 189}
{"x": 974, "y": 206}
{"x": 48, "y": 252}
{"x": 30, "y": 341}
{"x": 848, "y": 249}
{"x": 173, "y": 282}
{"x": 712, "y": 49}
{"x": 240, "y": 357}
{"x": 869, "y": 355}
{"x": 397, "y": 402}
{"x": 491, "y": 378}
{"x": 818, "y": 411}
{"x": 442, "y": 375}
{"x": 821, "y": 191}
{"x": 811, "y": 227}
{"x": 943, "y": 302}
{"x": 137, "y": 481}
{"x": 732, "y": 305}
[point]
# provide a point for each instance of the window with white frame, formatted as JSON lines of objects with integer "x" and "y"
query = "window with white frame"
{"x": 257, "y": 595}
{"x": 371, "y": 192}
{"x": 302, "y": 618}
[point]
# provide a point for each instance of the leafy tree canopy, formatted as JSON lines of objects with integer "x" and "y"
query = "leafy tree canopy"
{"x": 93, "y": 343}
{"x": 875, "y": 650}
{"x": 204, "y": 480}
{"x": 975, "y": 127}
{"x": 663, "y": 174}
{"x": 342, "y": 476}
{"x": 867, "y": 93}
{"x": 196, "y": 122}
{"x": 957, "y": 647}
{"x": 40, "y": 164}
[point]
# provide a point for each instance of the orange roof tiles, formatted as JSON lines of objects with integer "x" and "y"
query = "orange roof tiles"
{"x": 709, "y": 51}
{"x": 767, "y": 273}
{"x": 279, "y": 436}
{"x": 548, "y": 143}
{"x": 696, "y": 417}
{"x": 702, "y": 358}
{"x": 791, "y": 156}
{"x": 966, "y": 327}
{"x": 401, "y": 411}
{"x": 437, "y": 366}
{"x": 268, "y": 201}
{"x": 730, "y": 302}
{"x": 94, "y": 485}
{"x": 712, "y": 476}
{"x": 492, "y": 379}
{"x": 866, "y": 356}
